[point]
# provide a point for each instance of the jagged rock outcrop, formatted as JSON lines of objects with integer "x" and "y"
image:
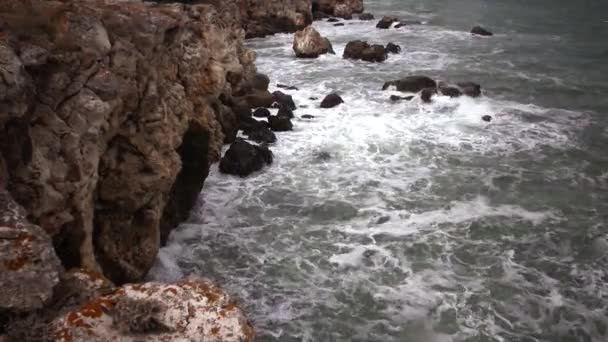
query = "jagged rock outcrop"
{"x": 338, "y": 8}
{"x": 308, "y": 43}
{"x": 358, "y": 49}
{"x": 29, "y": 268}
{"x": 412, "y": 84}
{"x": 111, "y": 112}
{"x": 190, "y": 310}
{"x": 265, "y": 17}
{"x": 243, "y": 158}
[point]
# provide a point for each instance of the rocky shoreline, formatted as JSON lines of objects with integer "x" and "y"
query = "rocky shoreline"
{"x": 111, "y": 112}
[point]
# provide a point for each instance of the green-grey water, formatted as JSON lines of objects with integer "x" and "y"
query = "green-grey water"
{"x": 426, "y": 223}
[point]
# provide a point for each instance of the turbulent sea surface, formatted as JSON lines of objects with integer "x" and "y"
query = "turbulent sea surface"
{"x": 405, "y": 221}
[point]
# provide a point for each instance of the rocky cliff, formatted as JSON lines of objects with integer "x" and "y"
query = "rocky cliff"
{"x": 111, "y": 112}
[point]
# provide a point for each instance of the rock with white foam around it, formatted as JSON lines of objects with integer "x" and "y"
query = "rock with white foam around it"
{"x": 309, "y": 43}
{"x": 190, "y": 310}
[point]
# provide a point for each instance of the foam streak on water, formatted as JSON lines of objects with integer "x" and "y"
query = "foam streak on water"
{"x": 426, "y": 223}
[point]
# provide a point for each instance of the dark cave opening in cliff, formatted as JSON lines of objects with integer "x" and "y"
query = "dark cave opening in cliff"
{"x": 189, "y": 182}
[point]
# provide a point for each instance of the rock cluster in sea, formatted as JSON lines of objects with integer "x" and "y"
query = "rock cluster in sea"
{"x": 111, "y": 113}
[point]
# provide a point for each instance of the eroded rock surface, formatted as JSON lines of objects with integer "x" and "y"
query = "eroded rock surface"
{"x": 309, "y": 43}
{"x": 29, "y": 268}
{"x": 338, "y": 8}
{"x": 190, "y": 310}
{"x": 111, "y": 112}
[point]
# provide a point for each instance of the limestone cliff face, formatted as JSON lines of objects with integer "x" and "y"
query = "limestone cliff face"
{"x": 110, "y": 113}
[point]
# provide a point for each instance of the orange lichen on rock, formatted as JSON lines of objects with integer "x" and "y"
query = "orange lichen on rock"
{"x": 137, "y": 310}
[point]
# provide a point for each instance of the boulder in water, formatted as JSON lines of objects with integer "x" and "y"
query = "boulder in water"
{"x": 396, "y": 98}
{"x": 486, "y": 118}
{"x": 284, "y": 111}
{"x": 308, "y": 43}
{"x": 318, "y": 15}
{"x": 331, "y": 101}
{"x": 339, "y": 24}
{"x": 284, "y": 99}
{"x": 260, "y": 82}
{"x": 261, "y": 134}
{"x": 449, "y": 90}
{"x": 358, "y": 49}
{"x": 383, "y": 219}
{"x": 287, "y": 87}
{"x": 307, "y": 116}
{"x": 280, "y": 123}
{"x": 386, "y": 22}
{"x": 259, "y": 98}
{"x": 392, "y": 48}
{"x": 333, "y": 20}
{"x": 366, "y": 16}
{"x": 343, "y": 11}
{"x": 411, "y": 84}
{"x": 251, "y": 124}
{"x": 480, "y": 31}
{"x": 427, "y": 93}
{"x": 243, "y": 158}
{"x": 261, "y": 113}
{"x": 470, "y": 89}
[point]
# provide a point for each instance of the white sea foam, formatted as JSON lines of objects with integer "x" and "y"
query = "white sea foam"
{"x": 300, "y": 241}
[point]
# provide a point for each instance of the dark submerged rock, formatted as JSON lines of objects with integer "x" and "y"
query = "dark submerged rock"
{"x": 251, "y": 124}
{"x": 260, "y": 82}
{"x": 470, "y": 89}
{"x": 411, "y": 84}
{"x": 333, "y": 20}
{"x": 339, "y": 24}
{"x": 449, "y": 90}
{"x": 284, "y": 111}
{"x": 307, "y": 116}
{"x": 261, "y": 113}
{"x": 243, "y": 158}
{"x": 392, "y": 48}
{"x": 427, "y": 94}
{"x": 259, "y": 98}
{"x": 366, "y": 16}
{"x": 383, "y": 219}
{"x": 478, "y": 30}
{"x": 280, "y": 123}
{"x": 323, "y": 156}
{"x": 396, "y": 98}
{"x": 486, "y": 118}
{"x": 331, "y": 101}
{"x": 261, "y": 134}
{"x": 287, "y": 87}
{"x": 386, "y": 22}
{"x": 358, "y": 49}
{"x": 284, "y": 99}
{"x": 318, "y": 15}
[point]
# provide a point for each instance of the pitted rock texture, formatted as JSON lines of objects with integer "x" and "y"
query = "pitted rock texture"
{"x": 190, "y": 310}
{"x": 266, "y": 17}
{"x": 110, "y": 113}
{"x": 338, "y": 8}
{"x": 308, "y": 43}
{"x": 29, "y": 268}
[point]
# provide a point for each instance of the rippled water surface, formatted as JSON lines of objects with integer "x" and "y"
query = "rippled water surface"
{"x": 405, "y": 221}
